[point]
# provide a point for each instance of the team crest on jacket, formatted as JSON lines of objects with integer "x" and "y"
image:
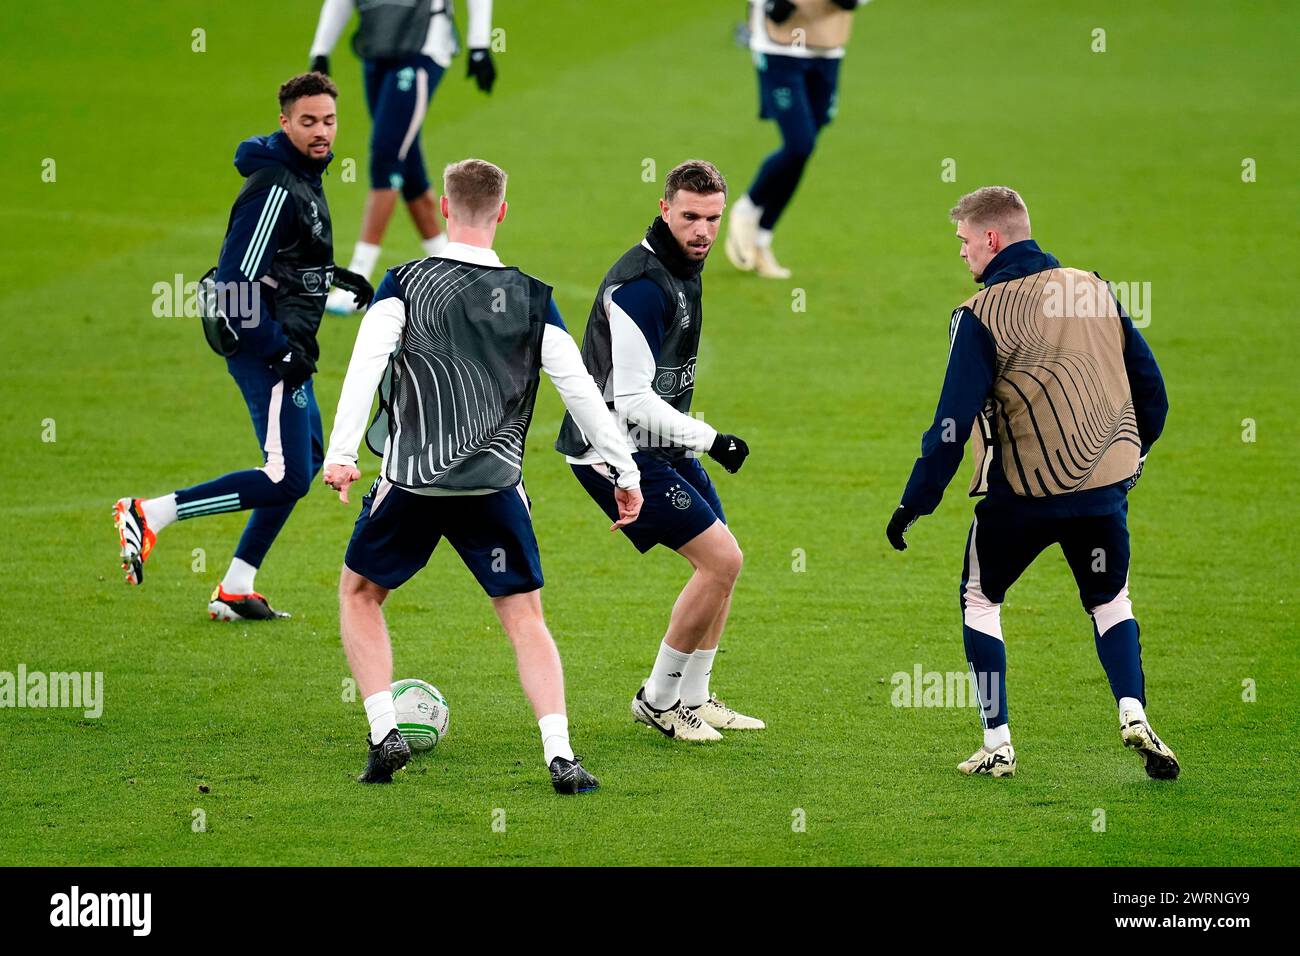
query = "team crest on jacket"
{"x": 665, "y": 383}
{"x": 685, "y": 312}
{"x": 680, "y": 499}
{"x": 300, "y": 396}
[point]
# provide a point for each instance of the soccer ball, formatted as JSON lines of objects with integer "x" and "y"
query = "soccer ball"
{"x": 422, "y": 713}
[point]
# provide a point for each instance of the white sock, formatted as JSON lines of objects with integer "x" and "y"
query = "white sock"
{"x": 434, "y": 245}
{"x": 695, "y": 680}
{"x": 239, "y": 578}
{"x": 382, "y": 715}
{"x": 995, "y": 738}
{"x": 555, "y": 737}
{"x": 664, "y": 686}
{"x": 1133, "y": 707}
{"x": 763, "y": 238}
{"x": 159, "y": 512}
{"x": 364, "y": 257}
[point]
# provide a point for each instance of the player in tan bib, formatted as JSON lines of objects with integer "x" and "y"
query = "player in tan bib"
{"x": 1064, "y": 399}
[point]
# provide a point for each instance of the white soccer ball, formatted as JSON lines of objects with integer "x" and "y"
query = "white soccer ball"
{"x": 422, "y": 713}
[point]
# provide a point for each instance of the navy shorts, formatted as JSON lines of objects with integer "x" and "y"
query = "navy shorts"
{"x": 802, "y": 87}
{"x": 1004, "y": 541}
{"x": 398, "y": 94}
{"x": 397, "y": 530}
{"x": 680, "y": 500}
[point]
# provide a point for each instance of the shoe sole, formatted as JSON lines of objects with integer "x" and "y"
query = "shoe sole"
{"x": 1159, "y": 766}
{"x": 997, "y": 773}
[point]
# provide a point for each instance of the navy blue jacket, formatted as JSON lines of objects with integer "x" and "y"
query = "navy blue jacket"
{"x": 281, "y": 212}
{"x": 968, "y": 382}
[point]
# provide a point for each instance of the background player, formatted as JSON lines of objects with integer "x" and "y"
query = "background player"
{"x": 467, "y": 337}
{"x": 640, "y": 346}
{"x": 278, "y": 253}
{"x": 797, "y": 47}
{"x": 405, "y": 47}
{"x": 1067, "y": 400}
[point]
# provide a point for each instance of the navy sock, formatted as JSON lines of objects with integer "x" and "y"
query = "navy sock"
{"x": 1120, "y": 652}
{"x": 988, "y": 661}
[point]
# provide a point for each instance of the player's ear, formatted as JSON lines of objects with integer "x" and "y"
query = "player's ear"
{"x": 663, "y": 208}
{"x": 284, "y": 123}
{"x": 442, "y": 207}
{"x": 501, "y": 213}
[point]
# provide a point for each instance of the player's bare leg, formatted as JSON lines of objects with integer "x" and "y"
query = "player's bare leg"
{"x": 424, "y": 214}
{"x": 370, "y": 656}
{"x": 542, "y": 676}
{"x": 697, "y": 696}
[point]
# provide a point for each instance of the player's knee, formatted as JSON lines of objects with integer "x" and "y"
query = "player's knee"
{"x": 1115, "y": 611}
{"x": 726, "y": 564}
{"x": 295, "y": 484}
{"x": 354, "y": 587}
{"x": 386, "y": 171}
{"x": 979, "y": 613}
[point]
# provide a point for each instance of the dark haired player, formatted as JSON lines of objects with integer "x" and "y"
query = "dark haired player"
{"x": 278, "y": 253}
{"x": 640, "y": 346}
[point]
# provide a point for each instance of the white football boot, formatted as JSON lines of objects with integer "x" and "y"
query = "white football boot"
{"x": 1158, "y": 759}
{"x": 676, "y": 721}
{"x": 341, "y": 302}
{"x": 998, "y": 762}
{"x": 742, "y": 230}
{"x": 721, "y": 717}
{"x": 766, "y": 266}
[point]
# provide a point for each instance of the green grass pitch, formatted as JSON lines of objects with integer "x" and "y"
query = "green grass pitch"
{"x": 1131, "y": 161}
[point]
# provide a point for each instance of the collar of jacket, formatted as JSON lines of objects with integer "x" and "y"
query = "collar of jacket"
{"x": 664, "y": 245}
{"x": 306, "y": 167}
{"x": 1016, "y": 261}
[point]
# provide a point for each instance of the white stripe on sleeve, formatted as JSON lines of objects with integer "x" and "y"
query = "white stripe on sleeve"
{"x": 262, "y": 232}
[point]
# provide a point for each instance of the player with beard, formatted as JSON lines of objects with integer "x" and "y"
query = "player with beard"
{"x": 640, "y": 346}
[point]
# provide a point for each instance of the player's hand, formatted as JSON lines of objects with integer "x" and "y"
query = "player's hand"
{"x": 482, "y": 69}
{"x": 902, "y": 519}
{"x": 778, "y": 11}
{"x": 1128, "y": 485}
{"x": 320, "y": 64}
{"x": 362, "y": 291}
{"x": 339, "y": 477}
{"x": 293, "y": 367}
{"x": 629, "y": 502}
{"x": 729, "y": 451}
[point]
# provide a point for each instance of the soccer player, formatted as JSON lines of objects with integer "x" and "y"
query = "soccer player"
{"x": 640, "y": 346}
{"x": 405, "y": 47}
{"x": 1066, "y": 398}
{"x": 276, "y": 262}
{"x": 797, "y": 46}
{"x": 464, "y": 339}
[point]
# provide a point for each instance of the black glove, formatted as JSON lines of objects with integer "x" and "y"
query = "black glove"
{"x": 778, "y": 11}
{"x": 482, "y": 69}
{"x": 902, "y": 519}
{"x": 1128, "y": 485}
{"x": 294, "y": 368}
{"x": 729, "y": 451}
{"x": 846, "y": 4}
{"x": 362, "y": 291}
{"x": 320, "y": 64}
